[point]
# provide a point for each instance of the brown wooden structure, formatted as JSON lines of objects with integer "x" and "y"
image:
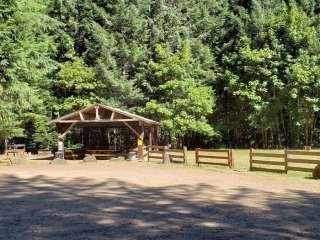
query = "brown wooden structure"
{"x": 101, "y": 116}
{"x": 282, "y": 162}
{"x": 222, "y": 157}
{"x": 163, "y": 153}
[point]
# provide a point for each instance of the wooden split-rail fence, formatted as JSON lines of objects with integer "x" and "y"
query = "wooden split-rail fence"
{"x": 202, "y": 156}
{"x": 282, "y": 162}
{"x": 154, "y": 153}
{"x": 164, "y": 153}
{"x": 221, "y": 157}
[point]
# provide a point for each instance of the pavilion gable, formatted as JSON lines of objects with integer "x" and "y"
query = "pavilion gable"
{"x": 102, "y": 113}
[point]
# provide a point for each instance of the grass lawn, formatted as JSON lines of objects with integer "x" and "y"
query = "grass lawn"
{"x": 242, "y": 163}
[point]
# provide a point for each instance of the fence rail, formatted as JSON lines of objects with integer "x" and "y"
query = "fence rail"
{"x": 164, "y": 154}
{"x": 289, "y": 160}
{"x": 177, "y": 155}
{"x": 273, "y": 159}
{"x": 300, "y": 164}
{"x": 204, "y": 156}
{"x": 156, "y": 153}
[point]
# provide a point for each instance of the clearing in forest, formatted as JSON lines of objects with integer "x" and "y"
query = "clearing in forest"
{"x": 138, "y": 200}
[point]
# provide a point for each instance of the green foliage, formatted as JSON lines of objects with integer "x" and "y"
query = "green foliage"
{"x": 25, "y": 63}
{"x": 183, "y": 103}
{"x": 76, "y": 83}
{"x": 183, "y": 108}
{"x": 247, "y": 69}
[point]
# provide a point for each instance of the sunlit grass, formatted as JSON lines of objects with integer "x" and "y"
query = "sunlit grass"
{"x": 242, "y": 164}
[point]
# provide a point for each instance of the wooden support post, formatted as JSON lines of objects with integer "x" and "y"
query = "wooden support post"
{"x": 185, "y": 154}
{"x": 151, "y": 133}
{"x": 63, "y": 130}
{"x": 156, "y": 135}
{"x": 140, "y": 151}
{"x": 250, "y": 159}
{"x": 197, "y": 156}
{"x": 140, "y": 143}
{"x": 61, "y": 146}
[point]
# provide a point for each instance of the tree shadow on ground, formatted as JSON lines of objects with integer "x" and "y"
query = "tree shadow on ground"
{"x": 81, "y": 208}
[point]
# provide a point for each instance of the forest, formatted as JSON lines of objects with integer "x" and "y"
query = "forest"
{"x": 237, "y": 73}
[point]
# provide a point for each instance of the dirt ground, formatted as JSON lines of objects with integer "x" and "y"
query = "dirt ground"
{"x": 126, "y": 200}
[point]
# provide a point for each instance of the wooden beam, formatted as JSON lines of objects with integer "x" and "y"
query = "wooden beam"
{"x": 81, "y": 115}
{"x": 115, "y": 110}
{"x": 112, "y": 115}
{"x": 97, "y": 113}
{"x": 132, "y": 129}
{"x": 97, "y": 121}
{"x": 151, "y": 136}
{"x": 67, "y": 130}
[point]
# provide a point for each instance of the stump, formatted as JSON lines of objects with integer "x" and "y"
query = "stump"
{"x": 307, "y": 148}
{"x": 316, "y": 172}
{"x": 89, "y": 159}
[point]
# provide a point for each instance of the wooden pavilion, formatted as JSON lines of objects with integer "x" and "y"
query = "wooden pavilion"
{"x": 98, "y": 116}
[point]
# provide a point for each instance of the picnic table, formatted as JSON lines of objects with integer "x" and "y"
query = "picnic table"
{"x": 105, "y": 154}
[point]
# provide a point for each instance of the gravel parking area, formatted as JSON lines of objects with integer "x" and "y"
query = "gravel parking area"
{"x": 126, "y": 200}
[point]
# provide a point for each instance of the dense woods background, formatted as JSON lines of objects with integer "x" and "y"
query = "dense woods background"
{"x": 215, "y": 72}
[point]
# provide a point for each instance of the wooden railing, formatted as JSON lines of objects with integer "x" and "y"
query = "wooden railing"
{"x": 296, "y": 163}
{"x": 288, "y": 160}
{"x": 259, "y": 160}
{"x": 222, "y": 157}
{"x": 156, "y": 153}
{"x": 164, "y": 153}
{"x": 177, "y": 155}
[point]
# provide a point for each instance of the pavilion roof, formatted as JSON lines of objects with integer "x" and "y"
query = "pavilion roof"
{"x": 102, "y": 115}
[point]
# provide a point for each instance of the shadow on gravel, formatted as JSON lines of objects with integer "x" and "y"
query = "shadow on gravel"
{"x": 43, "y": 208}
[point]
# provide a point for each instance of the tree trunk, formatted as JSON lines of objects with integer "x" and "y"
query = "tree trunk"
{"x": 272, "y": 138}
{"x": 5, "y": 147}
{"x": 306, "y": 135}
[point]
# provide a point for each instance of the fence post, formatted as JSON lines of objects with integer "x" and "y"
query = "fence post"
{"x": 286, "y": 160}
{"x": 197, "y": 156}
{"x": 185, "y": 154}
{"x": 231, "y": 158}
{"x": 164, "y": 154}
{"x": 250, "y": 159}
